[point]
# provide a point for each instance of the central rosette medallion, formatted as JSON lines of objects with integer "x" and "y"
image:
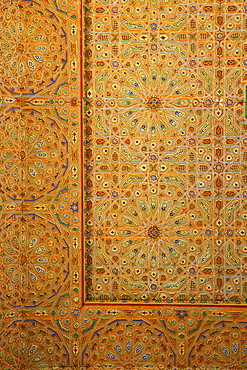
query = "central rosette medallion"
{"x": 153, "y": 232}
{"x": 154, "y": 103}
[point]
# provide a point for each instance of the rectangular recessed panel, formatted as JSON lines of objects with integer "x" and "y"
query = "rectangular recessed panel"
{"x": 165, "y": 152}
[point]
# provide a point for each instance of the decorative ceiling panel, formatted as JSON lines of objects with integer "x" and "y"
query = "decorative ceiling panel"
{"x": 122, "y": 185}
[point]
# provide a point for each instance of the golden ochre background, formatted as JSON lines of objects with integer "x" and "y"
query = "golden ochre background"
{"x": 123, "y": 185}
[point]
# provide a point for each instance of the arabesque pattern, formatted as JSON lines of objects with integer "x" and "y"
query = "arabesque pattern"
{"x": 122, "y": 185}
{"x": 140, "y": 338}
{"x": 39, "y": 129}
{"x": 39, "y": 180}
